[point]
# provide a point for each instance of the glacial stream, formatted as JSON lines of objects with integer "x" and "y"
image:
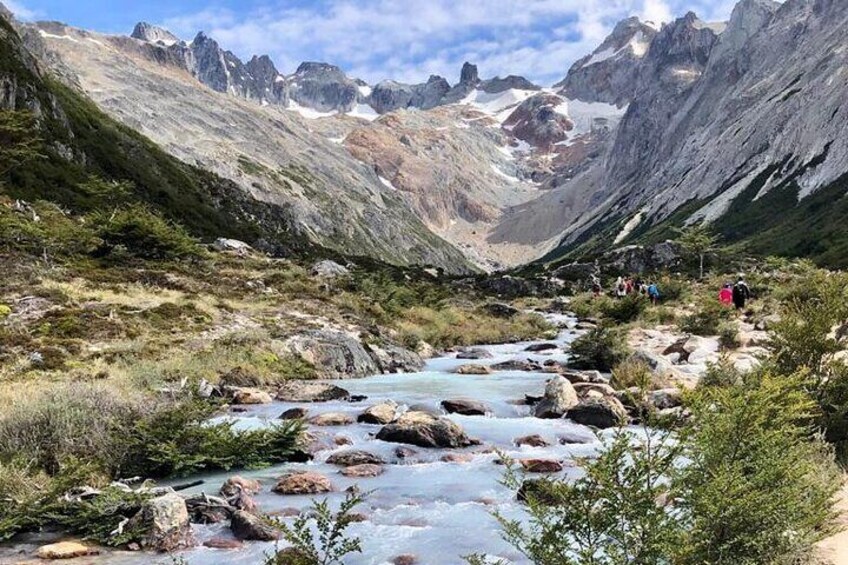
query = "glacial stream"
{"x": 437, "y": 511}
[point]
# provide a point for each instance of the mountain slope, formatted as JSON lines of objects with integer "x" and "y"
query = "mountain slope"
{"x": 270, "y": 155}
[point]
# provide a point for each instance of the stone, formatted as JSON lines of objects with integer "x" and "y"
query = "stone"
{"x": 66, "y": 550}
{"x": 205, "y": 509}
{"x": 606, "y": 412}
{"x": 532, "y": 441}
{"x": 334, "y": 354}
{"x": 538, "y": 347}
{"x": 472, "y": 369}
{"x": 405, "y": 452}
{"x": 576, "y": 439}
{"x": 424, "y": 430}
{"x": 517, "y": 365}
{"x": 247, "y": 526}
{"x": 164, "y": 524}
{"x": 331, "y": 419}
{"x": 304, "y": 482}
{"x": 223, "y": 543}
{"x": 465, "y": 407}
{"x": 362, "y": 471}
{"x": 541, "y": 465}
{"x": 249, "y": 396}
{"x": 474, "y": 353}
{"x": 353, "y": 457}
{"x": 457, "y": 458}
{"x": 294, "y": 414}
{"x": 392, "y": 358}
{"x": 584, "y": 388}
{"x": 236, "y": 484}
{"x": 291, "y": 556}
{"x": 305, "y": 391}
{"x": 342, "y": 440}
{"x": 560, "y": 396}
{"x": 500, "y": 310}
{"x": 329, "y": 269}
{"x": 666, "y": 398}
{"x": 382, "y": 413}
{"x": 223, "y": 244}
{"x": 405, "y": 559}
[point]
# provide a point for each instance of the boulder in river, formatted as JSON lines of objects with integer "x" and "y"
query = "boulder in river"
{"x": 393, "y": 358}
{"x": 424, "y": 430}
{"x": 465, "y": 406}
{"x": 541, "y": 465}
{"x": 236, "y": 484}
{"x": 353, "y": 457}
{"x": 560, "y": 397}
{"x": 66, "y": 550}
{"x": 362, "y": 471}
{"x": 164, "y": 524}
{"x": 223, "y": 543}
{"x": 247, "y": 526}
{"x": 532, "y": 441}
{"x": 584, "y": 389}
{"x": 297, "y": 413}
{"x": 245, "y": 395}
{"x": 518, "y": 365}
{"x": 605, "y": 412}
{"x": 405, "y": 559}
{"x": 332, "y": 419}
{"x": 304, "y": 482}
{"x": 474, "y": 353}
{"x": 472, "y": 369}
{"x": 538, "y": 347}
{"x": 305, "y": 391}
{"x": 381, "y": 413}
{"x": 334, "y": 354}
{"x": 206, "y": 509}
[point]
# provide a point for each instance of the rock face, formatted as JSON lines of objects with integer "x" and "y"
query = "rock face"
{"x": 247, "y": 526}
{"x": 323, "y": 87}
{"x": 329, "y": 269}
{"x": 165, "y": 524}
{"x": 424, "y": 430}
{"x": 560, "y": 397}
{"x": 303, "y": 483}
{"x": 148, "y": 32}
{"x": 389, "y": 95}
{"x": 539, "y": 122}
{"x": 335, "y": 355}
{"x": 605, "y": 412}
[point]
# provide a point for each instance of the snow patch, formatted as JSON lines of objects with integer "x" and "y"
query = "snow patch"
{"x": 505, "y": 176}
{"x": 639, "y": 44}
{"x": 600, "y": 57}
{"x": 308, "y": 113}
{"x": 586, "y": 115}
{"x": 387, "y": 183}
{"x": 364, "y": 111}
{"x": 364, "y": 90}
{"x": 631, "y": 225}
{"x": 500, "y": 105}
{"x": 337, "y": 140}
{"x": 91, "y": 39}
{"x": 52, "y": 36}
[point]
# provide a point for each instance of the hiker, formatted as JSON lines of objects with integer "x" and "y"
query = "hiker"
{"x": 741, "y": 293}
{"x": 725, "y": 295}
{"x": 596, "y": 286}
{"x": 628, "y": 286}
{"x": 620, "y": 288}
{"x": 654, "y": 292}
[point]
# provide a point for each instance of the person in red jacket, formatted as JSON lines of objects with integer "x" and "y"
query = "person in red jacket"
{"x": 725, "y": 295}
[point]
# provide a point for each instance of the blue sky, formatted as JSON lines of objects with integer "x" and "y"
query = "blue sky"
{"x": 375, "y": 39}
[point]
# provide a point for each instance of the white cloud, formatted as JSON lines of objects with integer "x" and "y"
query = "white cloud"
{"x": 409, "y": 40}
{"x": 20, "y": 11}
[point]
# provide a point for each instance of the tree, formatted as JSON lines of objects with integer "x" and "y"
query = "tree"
{"x": 698, "y": 241}
{"x": 19, "y": 140}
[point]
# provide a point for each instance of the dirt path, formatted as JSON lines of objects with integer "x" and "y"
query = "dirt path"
{"x": 834, "y": 550}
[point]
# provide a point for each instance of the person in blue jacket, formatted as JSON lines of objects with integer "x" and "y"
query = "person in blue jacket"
{"x": 654, "y": 292}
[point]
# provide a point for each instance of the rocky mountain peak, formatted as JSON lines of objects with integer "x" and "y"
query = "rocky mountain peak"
{"x": 469, "y": 74}
{"x": 5, "y": 13}
{"x": 497, "y": 85}
{"x": 748, "y": 17}
{"x": 153, "y": 34}
{"x": 313, "y": 68}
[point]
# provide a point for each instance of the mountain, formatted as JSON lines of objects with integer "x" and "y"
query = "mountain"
{"x": 304, "y": 196}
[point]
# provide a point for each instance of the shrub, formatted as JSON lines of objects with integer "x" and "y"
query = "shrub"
{"x": 673, "y": 288}
{"x": 758, "y": 486}
{"x": 635, "y": 372}
{"x": 728, "y": 336}
{"x": 332, "y": 543}
{"x": 143, "y": 233}
{"x": 625, "y": 310}
{"x": 600, "y": 349}
{"x": 706, "y": 321}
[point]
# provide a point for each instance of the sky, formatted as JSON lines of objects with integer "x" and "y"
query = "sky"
{"x": 405, "y": 40}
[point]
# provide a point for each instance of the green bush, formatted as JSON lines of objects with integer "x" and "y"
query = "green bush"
{"x": 728, "y": 336}
{"x": 140, "y": 232}
{"x": 625, "y": 310}
{"x": 707, "y": 320}
{"x": 599, "y": 349}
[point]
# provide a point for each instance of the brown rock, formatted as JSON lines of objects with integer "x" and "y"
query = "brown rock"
{"x": 247, "y": 526}
{"x": 541, "y": 465}
{"x": 405, "y": 559}
{"x": 331, "y": 419}
{"x": 354, "y": 457}
{"x": 236, "y": 484}
{"x": 533, "y": 441}
{"x": 342, "y": 440}
{"x": 424, "y": 430}
{"x": 294, "y": 414}
{"x": 250, "y": 396}
{"x": 303, "y": 483}
{"x": 382, "y": 413}
{"x": 66, "y": 550}
{"x": 458, "y": 458}
{"x": 465, "y": 406}
{"x": 473, "y": 369}
{"x": 362, "y": 471}
{"x": 223, "y": 543}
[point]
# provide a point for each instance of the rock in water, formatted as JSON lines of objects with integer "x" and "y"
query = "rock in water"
{"x": 601, "y": 413}
{"x": 541, "y": 465}
{"x": 472, "y": 369}
{"x": 246, "y": 526}
{"x": 235, "y": 485}
{"x": 533, "y": 441}
{"x": 362, "y": 471}
{"x": 303, "y": 483}
{"x": 249, "y": 396}
{"x": 331, "y": 419}
{"x": 354, "y": 457}
{"x": 424, "y": 430}
{"x": 334, "y": 354}
{"x": 560, "y": 396}
{"x": 302, "y": 391}
{"x": 294, "y": 414}
{"x": 465, "y": 407}
{"x": 382, "y": 413}
{"x": 164, "y": 523}
{"x": 65, "y": 550}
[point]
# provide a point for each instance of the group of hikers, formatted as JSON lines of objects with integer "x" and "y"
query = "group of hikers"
{"x": 627, "y": 286}
{"x": 736, "y": 295}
